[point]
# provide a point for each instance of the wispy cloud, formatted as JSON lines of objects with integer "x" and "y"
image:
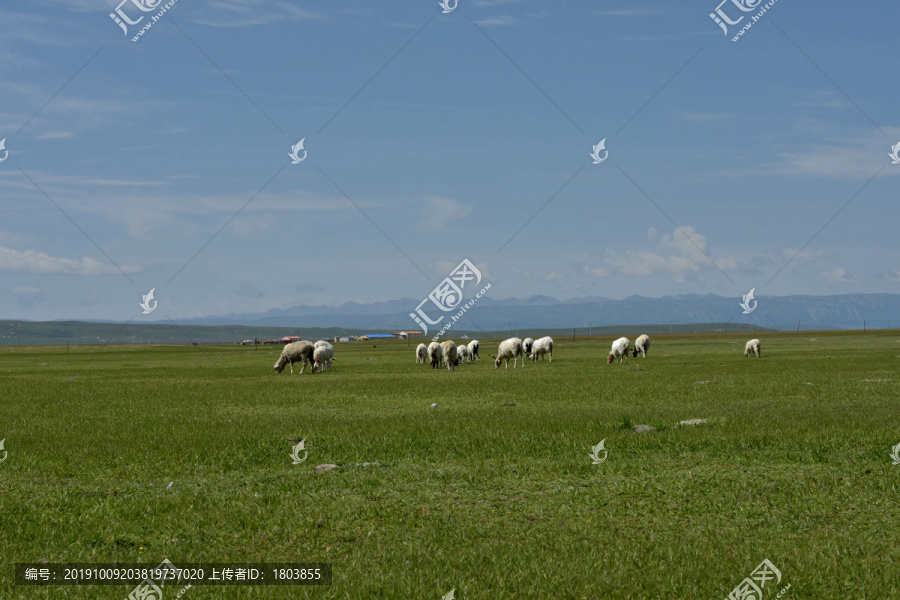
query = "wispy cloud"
{"x": 499, "y": 21}
{"x": 247, "y": 13}
{"x": 28, "y": 296}
{"x": 838, "y": 275}
{"x": 444, "y": 211}
{"x": 32, "y": 261}
{"x": 627, "y": 12}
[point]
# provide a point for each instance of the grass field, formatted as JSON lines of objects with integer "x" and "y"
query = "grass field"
{"x": 494, "y": 500}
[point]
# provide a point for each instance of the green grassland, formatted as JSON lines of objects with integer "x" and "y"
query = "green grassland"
{"x": 491, "y": 492}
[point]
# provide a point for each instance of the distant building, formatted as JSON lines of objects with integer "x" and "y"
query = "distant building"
{"x": 405, "y": 335}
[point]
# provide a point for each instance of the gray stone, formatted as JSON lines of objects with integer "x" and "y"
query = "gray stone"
{"x": 642, "y": 428}
{"x": 326, "y": 468}
{"x": 692, "y": 422}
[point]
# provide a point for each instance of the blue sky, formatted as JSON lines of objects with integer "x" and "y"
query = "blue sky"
{"x": 435, "y": 137}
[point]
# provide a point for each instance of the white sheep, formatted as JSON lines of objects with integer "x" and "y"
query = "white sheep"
{"x": 296, "y": 352}
{"x": 752, "y": 347}
{"x": 462, "y": 354}
{"x": 322, "y": 357}
{"x": 641, "y": 345}
{"x": 435, "y": 354}
{"x": 527, "y": 344}
{"x": 510, "y": 349}
{"x": 450, "y": 356}
{"x": 541, "y": 347}
{"x": 619, "y": 350}
{"x": 473, "y": 349}
{"x": 421, "y": 353}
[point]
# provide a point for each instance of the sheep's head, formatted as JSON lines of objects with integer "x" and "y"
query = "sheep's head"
{"x": 609, "y": 359}
{"x": 279, "y": 365}
{"x": 496, "y": 360}
{"x": 634, "y": 352}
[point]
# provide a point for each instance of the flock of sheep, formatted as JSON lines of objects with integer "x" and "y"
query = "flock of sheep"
{"x": 450, "y": 354}
{"x": 319, "y": 355}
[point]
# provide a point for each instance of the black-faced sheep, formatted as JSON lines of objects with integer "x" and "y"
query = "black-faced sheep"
{"x": 641, "y": 345}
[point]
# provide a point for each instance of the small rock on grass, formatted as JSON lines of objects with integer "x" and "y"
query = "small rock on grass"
{"x": 367, "y": 464}
{"x": 692, "y": 422}
{"x": 326, "y": 468}
{"x": 642, "y": 428}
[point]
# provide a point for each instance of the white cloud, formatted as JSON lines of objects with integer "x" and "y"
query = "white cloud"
{"x": 554, "y": 276}
{"x": 708, "y": 117}
{"x": 626, "y": 12}
{"x": 245, "y": 13}
{"x": 28, "y": 296}
{"x": 794, "y": 254}
{"x": 55, "y": 135}
{"x": 444, "y": 211}
{"x": 498, "y": 21}
{"x": 680, "y": 253}
{"x": 892, "y": 275}
{"x": 483, "y": 3}
{"x": 839, "y": 275}
{"x": 31, "y": 261}
{"x": 596, "y": 271}
{"x": 857, "y": 157}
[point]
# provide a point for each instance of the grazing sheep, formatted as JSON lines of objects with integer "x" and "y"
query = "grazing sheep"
{"x": 435, "y": 354}
{"x": 421, "y": 353}
{"x": 619, "y": 350}
{"x": 541, "y": 347}
{"x": 296, "y": 352}
{"x": 321, "y": 343}
{"x": 322, "y": 357}
{"x": 450, "y": 356}
{"x": 462, "y": 354}
{"x": 752, "y": 347}
{"x": 527, "y": 345}
{"x": 510, "y": 349}
{"x": 641, "y": 345}
{"x": 473, "y": 349}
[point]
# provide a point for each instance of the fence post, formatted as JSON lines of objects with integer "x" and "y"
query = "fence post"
{"x": 798, "y": 325}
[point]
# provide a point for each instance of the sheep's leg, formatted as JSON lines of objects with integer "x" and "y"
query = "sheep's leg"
{"x": 292, "y": 367}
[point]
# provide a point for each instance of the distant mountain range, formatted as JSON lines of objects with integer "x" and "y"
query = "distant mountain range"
{"x": 782, "y": 312}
